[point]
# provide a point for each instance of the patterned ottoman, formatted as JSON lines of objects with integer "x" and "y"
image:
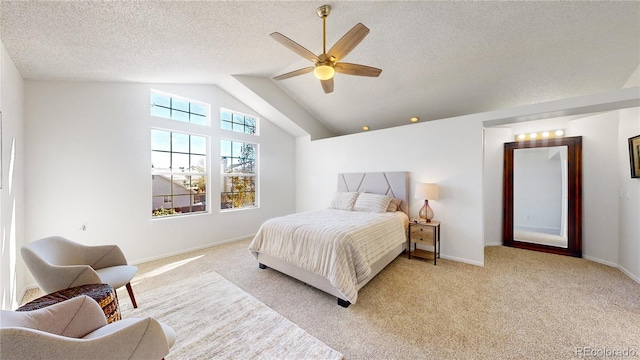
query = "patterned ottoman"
{"x": 103, "y": 294}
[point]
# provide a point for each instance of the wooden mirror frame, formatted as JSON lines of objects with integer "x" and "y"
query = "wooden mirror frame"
{"x": 574, "y": 194}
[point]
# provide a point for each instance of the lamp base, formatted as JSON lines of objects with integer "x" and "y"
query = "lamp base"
{"x": 426, "y": 213}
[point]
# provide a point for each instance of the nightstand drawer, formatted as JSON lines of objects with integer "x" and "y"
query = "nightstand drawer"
{"x": 422, "y": 235}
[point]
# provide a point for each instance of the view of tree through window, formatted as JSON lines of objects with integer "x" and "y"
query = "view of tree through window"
{"x": 237, "y": 122}
{"x": 238, "y": 168}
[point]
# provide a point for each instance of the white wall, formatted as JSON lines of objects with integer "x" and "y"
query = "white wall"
{"x": 599, "y": 185}
{"x": 447, "y": 152}
{"x": 494, "y": 139}
{"x": 12, "y": 193}
{"x": 88, "y": 163}
{"x": 629, "y": 197}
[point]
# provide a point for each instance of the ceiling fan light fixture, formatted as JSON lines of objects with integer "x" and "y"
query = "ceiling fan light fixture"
{"x": 324, "y": 72}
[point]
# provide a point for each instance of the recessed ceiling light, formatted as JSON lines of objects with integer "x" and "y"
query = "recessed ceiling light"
{"x": 415, "y": 119}
{"x": 365, "y": 128}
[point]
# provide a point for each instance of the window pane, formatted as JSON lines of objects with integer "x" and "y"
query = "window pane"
{"x": 180, "y": 115}
{"x": 160, "y": 140}
{"x": 198, "y": 120}
{"x": 182, "y": 203}
{"x": 235, "y": 148}
{"x": 198, "y": 109}
{"x": 180, "y": 104}
{"x": 237, "y": 122}
{"x": 161, "y": 112}
{"x": 225, "y": 162}
{"x": 161, "y": 100}
{"x": 179, "y": 109}
{"x": 225, "y": 148}
{"x": 198, "y": 145}
{"x": 238, "y": 127}
{"x": 198, "y": 163}
{"x": 160, "y": 160}
{"x": 180, "y": 142}
{"x": 180, "y": 185}
{"x": 237, "y": 192}
{"x": 179, "y": 162}
{"x": 225, "y": 125}
{"x": 199, "y": 184}
{"x": 161, "y": 187}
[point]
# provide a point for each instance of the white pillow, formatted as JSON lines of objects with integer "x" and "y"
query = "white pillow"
{"x": 343, "y": 200}
{"x": 367, "y": 202}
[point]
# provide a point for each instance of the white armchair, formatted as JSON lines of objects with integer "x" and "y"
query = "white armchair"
{"x": 77, "y": 329}
{"x": 57, "y": 263}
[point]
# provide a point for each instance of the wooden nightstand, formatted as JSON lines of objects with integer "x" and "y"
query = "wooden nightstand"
{"x": 424, "y": 233}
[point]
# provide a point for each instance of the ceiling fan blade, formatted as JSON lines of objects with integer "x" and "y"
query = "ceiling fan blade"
{"x": 294, "y": 46}
{"x": 356, "y": 69}
{"x": 327, "y": 86}
{"x": 294, "y": 73}
{"x": 348, "y": 42}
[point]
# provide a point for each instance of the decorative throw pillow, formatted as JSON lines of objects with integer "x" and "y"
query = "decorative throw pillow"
{"x": 343, "y": 200}
{"x": 394, "y": 205}
{"x": 367, "y": 202}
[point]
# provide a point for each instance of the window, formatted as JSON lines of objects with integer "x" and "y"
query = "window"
{"x": 178, "y": 173}
{"x": 233, "y": 121}
{"x": 176, "y": 108}
{"x": 238, "y": 170}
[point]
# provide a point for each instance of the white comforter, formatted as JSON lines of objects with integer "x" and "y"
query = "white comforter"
{"x": 336, "y": 244}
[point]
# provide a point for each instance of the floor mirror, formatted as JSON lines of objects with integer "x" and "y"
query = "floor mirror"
{"x": 542, "y": 197}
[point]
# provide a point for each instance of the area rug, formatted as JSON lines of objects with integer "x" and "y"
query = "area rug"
{"x": 214, "y": 319}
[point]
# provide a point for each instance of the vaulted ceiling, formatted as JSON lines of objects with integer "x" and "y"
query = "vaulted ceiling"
{"x": 439, "y": 59}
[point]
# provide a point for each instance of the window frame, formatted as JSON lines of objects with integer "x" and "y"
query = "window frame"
{"x": 175, "y": 126}
{"x": 207, "y": 116}
{"x": 254, "y": 175}
{"x": 233, "y": 112}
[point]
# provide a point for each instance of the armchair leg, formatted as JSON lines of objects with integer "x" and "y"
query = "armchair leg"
{"x": 133, "y": 299}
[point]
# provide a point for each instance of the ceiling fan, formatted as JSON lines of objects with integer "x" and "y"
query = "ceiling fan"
{"x": 328, "y": 63}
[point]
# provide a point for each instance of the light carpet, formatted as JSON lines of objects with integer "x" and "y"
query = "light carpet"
{"x": 214, "y": 319}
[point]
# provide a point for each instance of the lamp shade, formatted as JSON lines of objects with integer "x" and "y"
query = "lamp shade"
{"x": 426, "y": 191}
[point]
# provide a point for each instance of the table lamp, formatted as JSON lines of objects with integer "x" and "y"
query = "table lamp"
{"x": 426, "y": 192}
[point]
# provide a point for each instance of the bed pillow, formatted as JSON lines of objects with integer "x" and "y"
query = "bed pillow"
{"x": 394, "y": 205}
{"x": 343, "y": 200}
{"x": 366, "y": 202}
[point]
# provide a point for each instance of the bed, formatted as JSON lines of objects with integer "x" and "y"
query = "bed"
{"x": 340, "y": 249}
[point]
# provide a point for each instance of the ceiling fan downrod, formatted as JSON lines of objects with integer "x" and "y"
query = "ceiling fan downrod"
{"x": 323, "y": 11}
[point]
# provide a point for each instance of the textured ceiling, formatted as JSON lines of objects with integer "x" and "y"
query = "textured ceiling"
{"x": 439, "y": 59}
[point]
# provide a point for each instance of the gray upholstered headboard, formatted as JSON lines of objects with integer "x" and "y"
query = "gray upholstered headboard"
{"x": 394, "y": 184}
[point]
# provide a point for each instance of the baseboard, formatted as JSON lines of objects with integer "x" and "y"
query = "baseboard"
{"x": 184, "y": 251}
{"x": 599, "y": 261}
{"x": 493, "y": 244}
{"x": 629, "y": 274}
{"x": 466, "y": 261}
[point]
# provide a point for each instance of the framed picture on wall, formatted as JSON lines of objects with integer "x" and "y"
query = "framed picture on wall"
{"x": 634, "y": 156}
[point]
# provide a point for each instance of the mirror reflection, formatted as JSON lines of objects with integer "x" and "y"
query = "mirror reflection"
{"x": 540, "y": 195}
